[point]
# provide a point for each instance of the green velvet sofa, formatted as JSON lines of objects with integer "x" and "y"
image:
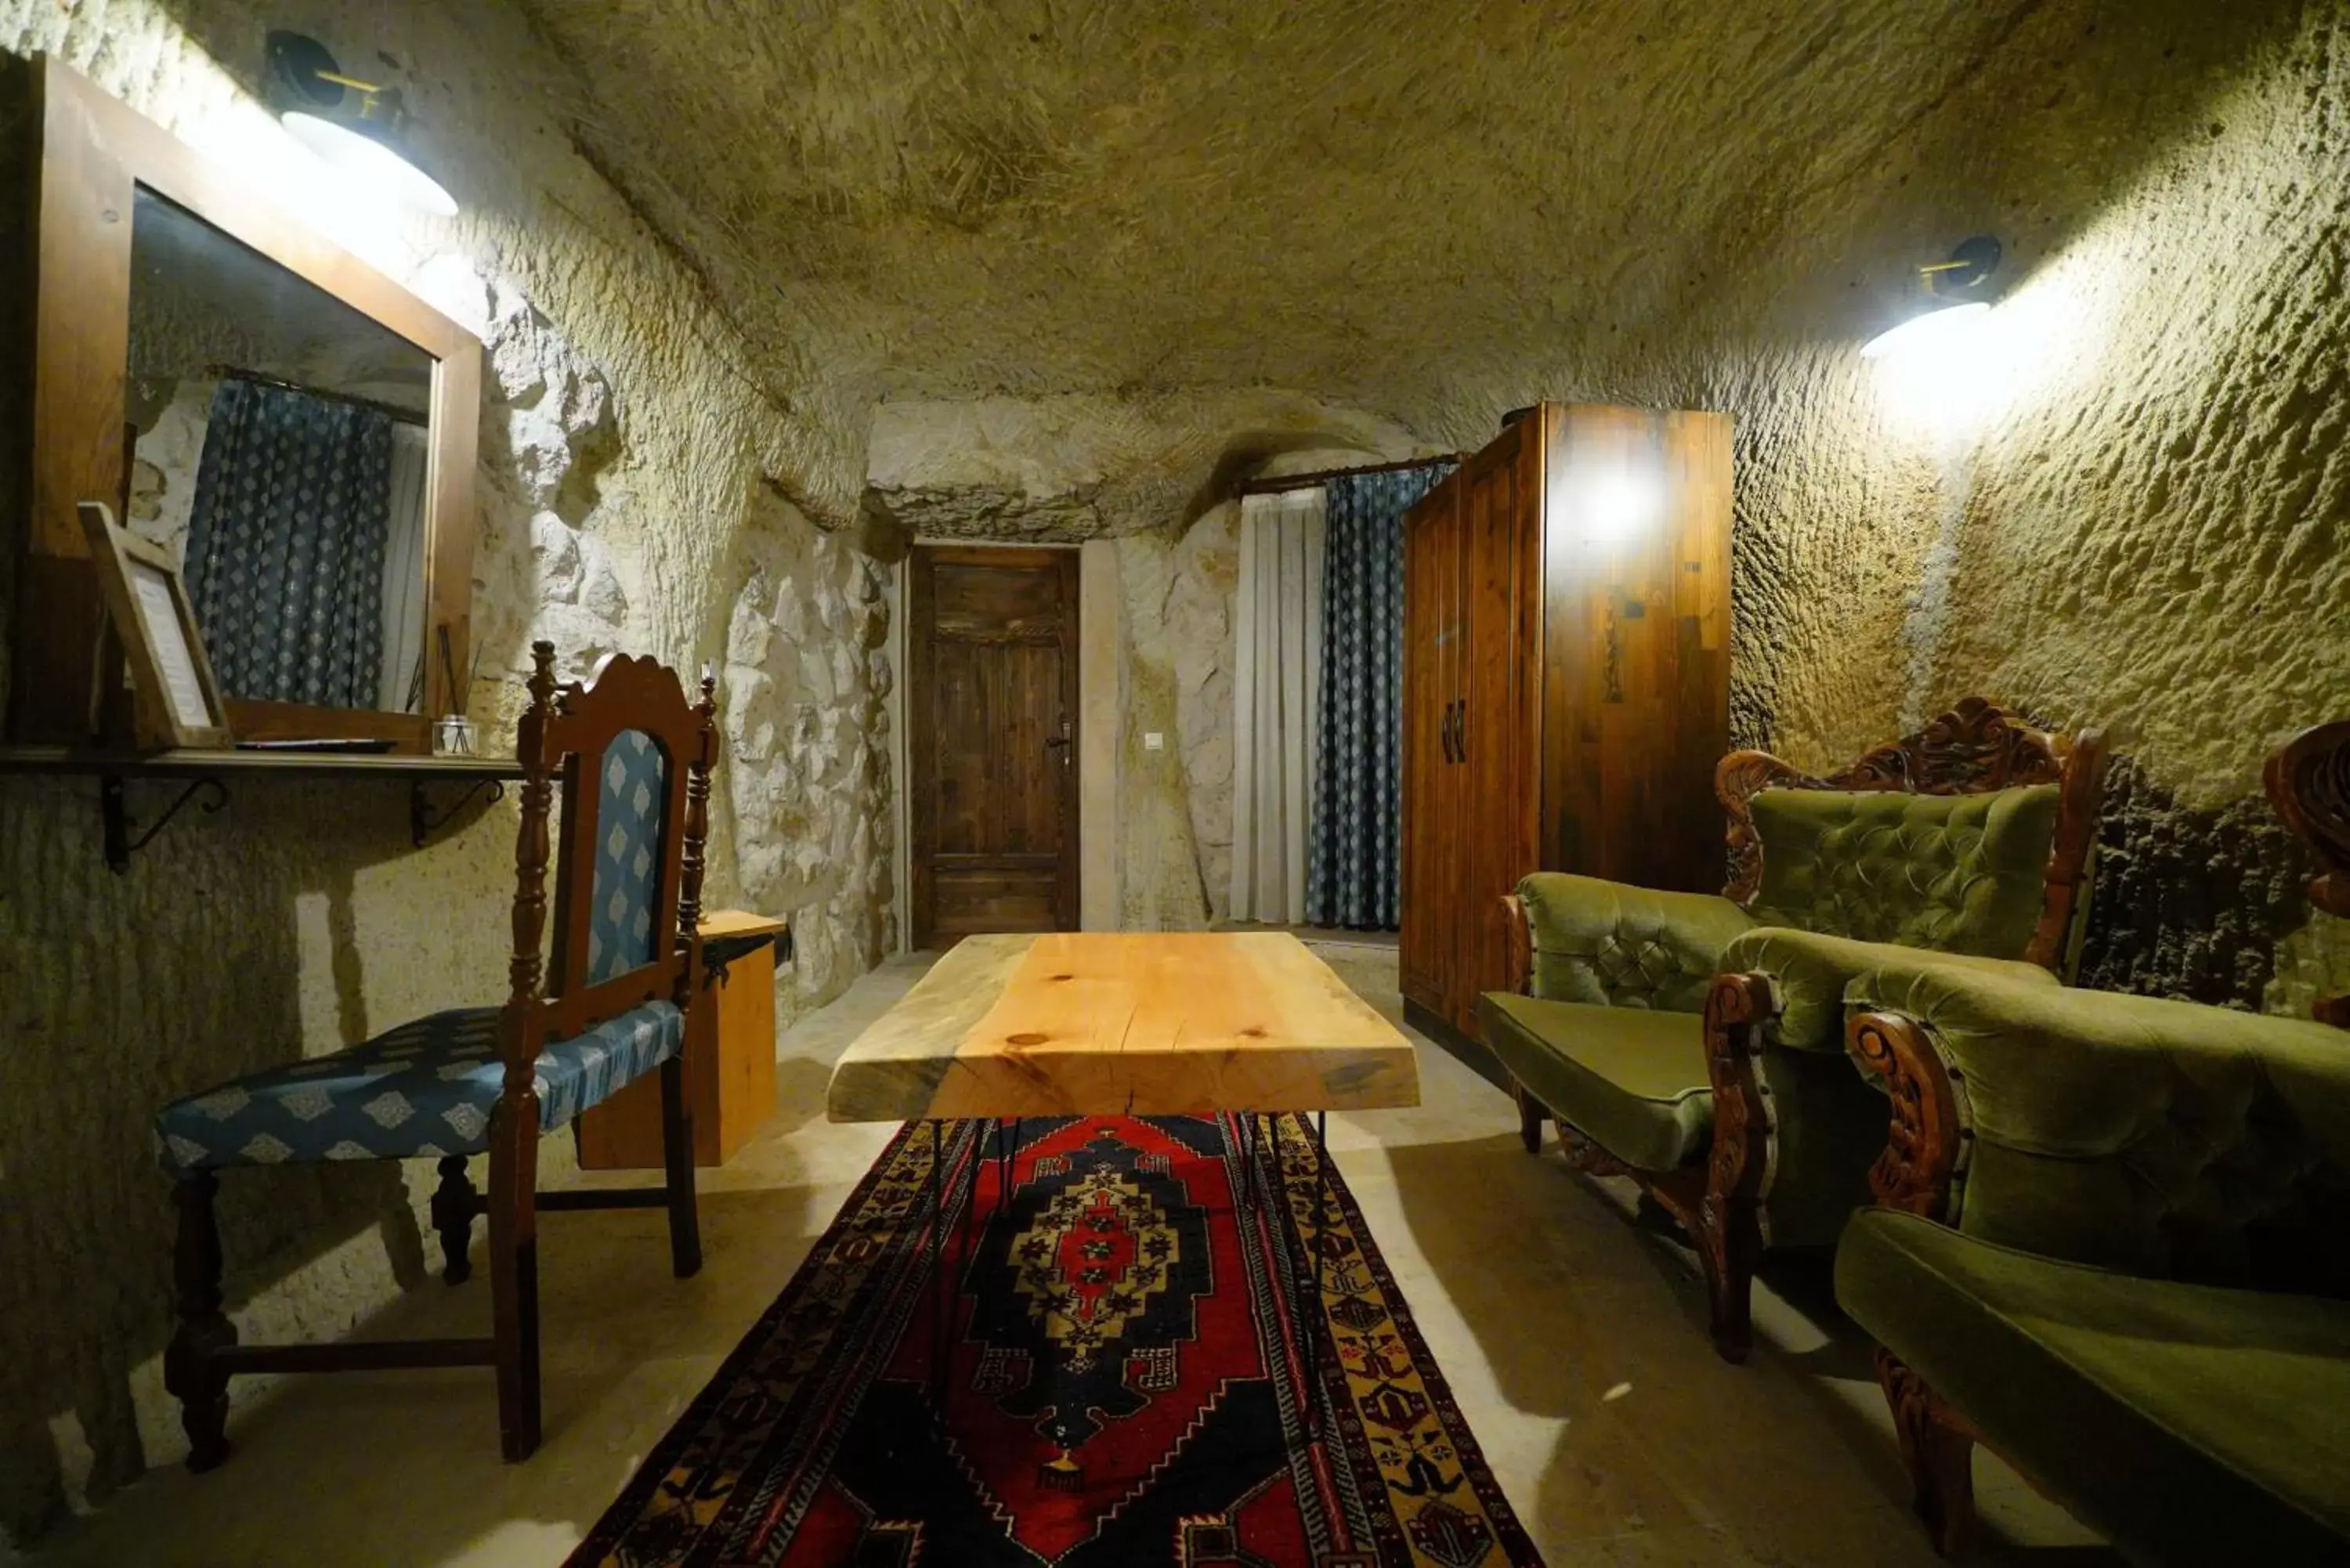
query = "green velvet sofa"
{"x": 2110, "y": 1240}
{"x": 2111, "y": 1245}
{"x": 1696, "y": 1042}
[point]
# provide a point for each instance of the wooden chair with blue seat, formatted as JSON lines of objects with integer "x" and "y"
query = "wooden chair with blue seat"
{"x": 625, "y": 967}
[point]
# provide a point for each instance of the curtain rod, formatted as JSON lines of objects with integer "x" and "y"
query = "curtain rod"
{"x": 237, "y": 373}
{"x": 1323, "y": 476}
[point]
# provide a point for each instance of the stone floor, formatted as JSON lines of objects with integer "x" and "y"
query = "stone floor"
{"x": 1573, "y": 1338}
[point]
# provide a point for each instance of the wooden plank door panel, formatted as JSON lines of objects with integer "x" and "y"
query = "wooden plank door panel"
{"x": 991, "y": 705}
{"x": 1430, "y": 892}
{"x": 1491, "y": 736}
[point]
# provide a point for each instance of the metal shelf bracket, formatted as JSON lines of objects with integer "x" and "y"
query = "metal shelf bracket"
{"x": 422, "y": 820}
{"x": 120, "y": 844}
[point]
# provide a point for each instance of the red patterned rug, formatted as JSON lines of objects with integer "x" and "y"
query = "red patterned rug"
{"x": 1132, "y": 1373}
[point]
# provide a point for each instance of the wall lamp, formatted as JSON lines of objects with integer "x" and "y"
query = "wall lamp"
{"x": 360, "y": 127}
{"x": 1951, "y": 291}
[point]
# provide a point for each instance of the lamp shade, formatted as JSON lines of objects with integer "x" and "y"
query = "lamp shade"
{"x": 1940, "y": 323}
{"x": 354, "y": 152}
{"x": 358, "y": 128}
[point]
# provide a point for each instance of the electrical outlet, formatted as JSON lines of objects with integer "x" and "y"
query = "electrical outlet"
{"x": 1152, "y": 740}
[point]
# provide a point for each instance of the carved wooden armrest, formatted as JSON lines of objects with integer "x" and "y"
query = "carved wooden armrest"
{"x": 1923, "y": 1168}
{"x": 2309, "y": 784}
{"x": 1519, "y": 973}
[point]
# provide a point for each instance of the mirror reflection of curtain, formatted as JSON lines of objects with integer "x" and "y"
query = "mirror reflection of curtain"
{"x": 401, "y": 683}
{"x": 285, "y": 545}
{"x": 1352, "y": 864}
{"x": 1276, "y": 685}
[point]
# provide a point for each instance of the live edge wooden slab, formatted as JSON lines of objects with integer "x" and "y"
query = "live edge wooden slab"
{"x": 1128, "y": 1025}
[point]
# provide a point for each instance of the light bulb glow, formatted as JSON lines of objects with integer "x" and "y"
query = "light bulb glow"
{"x": 364, "y": 158}
{"x": 1930, "y": 333}
{"x": 1612, "y": 504}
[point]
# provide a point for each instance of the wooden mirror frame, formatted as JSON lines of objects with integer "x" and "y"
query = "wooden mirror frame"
{"x": 79, "y": 158}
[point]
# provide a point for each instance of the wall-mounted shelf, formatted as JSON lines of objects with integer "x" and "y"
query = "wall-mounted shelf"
{"x": 208, "y": 774}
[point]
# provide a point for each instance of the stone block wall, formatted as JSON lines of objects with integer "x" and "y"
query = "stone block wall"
{"x": 631, "y": 497}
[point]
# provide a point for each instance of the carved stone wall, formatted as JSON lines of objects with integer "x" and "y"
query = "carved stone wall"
{"x": 2153, "y": 530}
{"x": 629, "y": 498}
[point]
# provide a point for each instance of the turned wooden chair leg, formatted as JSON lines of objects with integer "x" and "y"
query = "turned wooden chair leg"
{"x": 455, "y": 1202}
{"x": 189, "y": 1374}
{"x": 677, "y": 1152}
{"x": 1531, "y": 1113}
{"x": 513, "y": 1272}
{"x": 1937, "y": 1451}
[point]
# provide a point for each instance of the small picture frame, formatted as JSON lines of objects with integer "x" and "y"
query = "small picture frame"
{"x": 177, "y": 702}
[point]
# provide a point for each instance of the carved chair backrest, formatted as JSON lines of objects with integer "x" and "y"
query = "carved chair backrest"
{"x": 632, "y": 758}
{"x": 1976, "y": 748}
{"x": 1922, "y": 1167}
{"x": 2309, "y": 785}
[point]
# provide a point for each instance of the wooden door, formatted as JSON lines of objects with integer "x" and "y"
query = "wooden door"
{"x": 1429, "y": 893}
{"x": 1494, "y": 736}
{"x": 992, "y": 732}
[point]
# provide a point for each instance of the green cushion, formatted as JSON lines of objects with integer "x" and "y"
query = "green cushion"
{"x": 1600, "y": 941}
{"x": 2164, "y": 1137}
{"x": 1809, "y": 972}
{"x": 1961, "y": 874}
{"x": 2189, "y": 1424}
{"x": 1632, "y": 1079}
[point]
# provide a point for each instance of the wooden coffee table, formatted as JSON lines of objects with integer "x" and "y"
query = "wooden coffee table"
{"x": 1245, "y": 1024}
{"x": 1115, "y": 1023}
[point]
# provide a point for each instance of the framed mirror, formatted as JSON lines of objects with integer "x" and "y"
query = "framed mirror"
{"x": 292, "y": 429}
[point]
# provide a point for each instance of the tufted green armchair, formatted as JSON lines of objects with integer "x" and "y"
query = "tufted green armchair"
{"x": 2108, "y": 1241}
{"x": 1695, "y": 1043}
{"x": 2110, "y": 1244}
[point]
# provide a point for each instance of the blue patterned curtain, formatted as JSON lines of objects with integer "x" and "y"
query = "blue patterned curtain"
{"x": 285, "y": 561}
{"x": 1352, "y": 850}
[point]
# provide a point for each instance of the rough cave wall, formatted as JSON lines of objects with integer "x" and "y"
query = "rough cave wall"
{"x": 2154, "y": 532}
{"x": 1708, "y": 209}
{"x": 2125, "y": 505}
{"x": 629, "y": 499}
{"x": 1151, "y": 478}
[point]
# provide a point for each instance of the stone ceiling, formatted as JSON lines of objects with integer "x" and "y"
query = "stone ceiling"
{"x": 1428, "y": 210}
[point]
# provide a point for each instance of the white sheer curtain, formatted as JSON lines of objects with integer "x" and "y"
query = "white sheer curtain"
{"x": 399, "y": 680}
{"x": 1276, "y": 691}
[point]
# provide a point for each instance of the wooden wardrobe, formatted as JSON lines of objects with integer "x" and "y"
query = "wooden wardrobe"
{"x": 1566, "y": 679}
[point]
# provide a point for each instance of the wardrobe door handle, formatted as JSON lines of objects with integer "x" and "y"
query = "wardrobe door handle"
{"x": 1451, "y": 754}
{"x": 1460, "y": 731}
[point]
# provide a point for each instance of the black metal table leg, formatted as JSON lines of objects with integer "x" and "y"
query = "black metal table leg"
{"x": 1007, "y": 1153}
{"x": 1321, "y": 1203}
{"x": 937, "y": 1279}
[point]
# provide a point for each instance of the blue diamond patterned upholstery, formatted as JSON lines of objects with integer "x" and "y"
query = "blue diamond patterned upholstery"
{"x": 423, "y": 1089}
{"x": 632, "y": 804}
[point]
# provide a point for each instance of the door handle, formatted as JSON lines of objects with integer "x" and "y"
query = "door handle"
{"x": 1460, "y": 731}
{"x": 1452, "y": 750}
